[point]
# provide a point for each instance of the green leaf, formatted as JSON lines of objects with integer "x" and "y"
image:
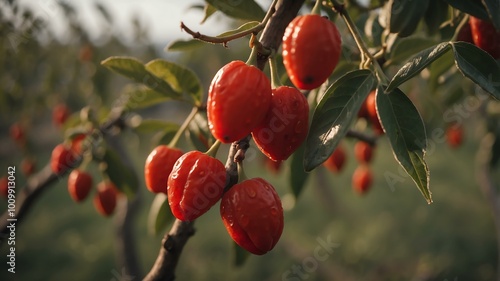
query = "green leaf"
{"x": 159, "y": 214}
{"x": 493, "y": 9}
{"x": 245, "y": 10}
{"x": 199, "y": 133}
{"x": 154, "y": 125}
{"x": 184, "y": 45}
{"x": 436, "y": 14}
{"x": 407, "y": 47}
{"x": 122, "y": 176}
{"x": 245, "y": 26}
{"x": 240, "y": 255}
{"x": 181, "y": 79}
{"x": 474, "y": 8}
{"x": 478, "y": 66}
{"x": 208, "y": 11}
{"x": 405, "y": 129}
{"x": 417, "y": 64}
{"x": 404, "y": 16}
{"x": 135, "y": 70}
{"x": 334, "y": 114}
{"x": 298, "y": 176}
{"x": 140, "y": 96}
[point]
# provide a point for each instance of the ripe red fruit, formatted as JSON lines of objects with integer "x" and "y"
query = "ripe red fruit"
{"x": 371, "y": 110}
{"x": 62, "y": 158}
{"x": 238, "y": 99}
{"x": 253, "y": 216}
{"x": 17, "y": 133}
{"x": 336, "y": 161}
{"x": 79, "y": 185}
{"x": 454, "y": 136}
{"x": 105, "y": 199}
{"x": 465, "y": 34}
{"x": 195, "y": 184}
{"x": 4, "y": 187}
{"x": 311, "y": 50}
{"x": 28, "y": 166}
{"x": 60, "y": 114}
{"x": 362, "y": 179}
{"x": 77, "y": 143}
{"x": 485, "y": 36}
{"x": 285, "y": 126}
{"x": 158, "y": 166}
{"x": 363, "y": 152}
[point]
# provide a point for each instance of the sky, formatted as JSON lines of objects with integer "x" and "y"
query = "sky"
{"x": 161, "y": 17}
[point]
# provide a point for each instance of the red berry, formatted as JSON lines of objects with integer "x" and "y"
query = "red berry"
{"x": 485, "y": 36}
{"x": 17, "y": 133}
{"x": 106, "y": 197}
{"x": 77, "y": 144}
{"x": 362, "y": 179}
{"x": 195, "y": 184}
{"x": 465, "y": 34}
{"x": 363, "y": 152}
{"x": 28, "y": 166}
{"x": 4, "y": 187}
{"x": 371, "y": 109}
{"x": 238, "y": 99}
{"x": 336, "y": 161}
{"x": 311, "y": 50}
{"x": 454, "y": 135}
{"x": 60, "y": 114}
{"x": 62, "y": 158}
{"x": 253, "y": 215}
{"x": 79, "y": 185}
{"x": 158, "y": 166}
{"x": 285, "y": 126}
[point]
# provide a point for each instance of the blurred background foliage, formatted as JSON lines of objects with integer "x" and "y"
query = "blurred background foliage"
{"x": 388, "y": 234}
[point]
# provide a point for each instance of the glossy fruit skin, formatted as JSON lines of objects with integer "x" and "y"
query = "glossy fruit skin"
{"x": 362, "y": 179}
{"x": 238, "y": 99}
{"x": 371, "y": 110}
{"x": 253, "y": 215}
{"x": 363, "y": 152}
{"x": 62, "y": 158}
{"x": 79, "y": 185}
{"x": 285, "y": 126}
{"x": 335, "y": 163}
{"x": 195, "y": 184}
{"x": 485, "y": 36}
{"x": 60, "y": 114}
{"x": 4, "y": 187}
{"x": 105, "y": 198}
{"x": 454, "y": 136}
{"x": 158, "y": 166}
{"x": 311, "y": 50}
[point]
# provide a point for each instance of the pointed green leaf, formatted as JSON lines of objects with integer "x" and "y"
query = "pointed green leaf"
{"x": 417, "y": 64}
{"x": 159, "y": 214}
{"x": 140, "y": 96}
{"x": 478, "y": 66}
{"x": 154, "y": 125}
{"x": 298, "y": 176}
{"x": 245, "y": 26}
{"x": 334, "y": 115}
{"x": 474, "y": 8}
{"x": 493, "y": 9}
{"x": 404, "y": 16}
{"x": 245, "y": 10}
{"x": 208, "y": 11}
{"x": 184, "y": 45}
{"x": 408, "y": 47}
{"x": 240, "y": 255}
{"x": 181, "y": 79}
{"x": 135, "y": 70}
{"x": 122, "y": 176}
{"x": 405, "y": 129}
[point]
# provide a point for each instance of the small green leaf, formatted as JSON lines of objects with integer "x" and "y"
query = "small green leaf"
{"x": 154, "y": 125}
{"x": 479, "y": 66}
{"x": 184, "y": 45}
{"x": 245, "y": 26}
{"x": 298, "y": 176}
{"x": 122, "y": 176}
{"x": 240, "y": 255}
{"x": 407, "y": 47}
{"x": 245, "y": 10}
{"x": 406, "y": 132}
{"x": 140, "y": 96}
{"x": 159, "y": 214}
{"x": 405, "y": 16}
{"x": 493, "y": 9}
{"x": 135, "y": 70}
{"x": 417, "y": 64}
{"x": 474, "y": 8}
{"x": 334, "y": 115}
{"x": 181, "y": 79}
{"x": 208, "y": 11}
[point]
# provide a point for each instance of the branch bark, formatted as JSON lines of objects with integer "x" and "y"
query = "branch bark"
{"x": 173, "y": 242}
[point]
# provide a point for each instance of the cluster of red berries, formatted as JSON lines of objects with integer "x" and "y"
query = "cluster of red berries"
{"x": 483, "y": 34}
{"x": 242, "y": 102}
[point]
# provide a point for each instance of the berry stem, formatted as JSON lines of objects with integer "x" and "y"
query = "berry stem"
{"x": 275, "y": 78}
{"x": 212, "y": 151}
{"x": 464, "y": 21}
{"x": 241, "y": 172}
{"x": 316, "y": 10}
{"x": 183, "y": 127}
{"x": 252, "y": 59}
